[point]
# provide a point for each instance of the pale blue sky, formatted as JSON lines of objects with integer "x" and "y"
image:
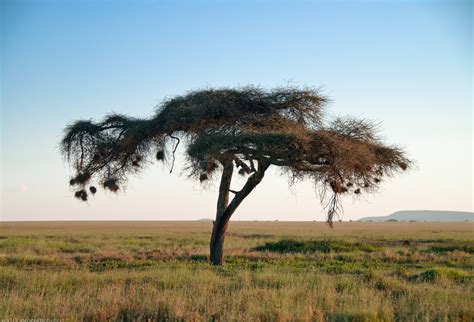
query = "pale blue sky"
{"x": 407, "y": 64}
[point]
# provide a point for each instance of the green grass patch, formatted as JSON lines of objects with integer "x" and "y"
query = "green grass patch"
{"x": 110, "y": 263}
{"x": 434, "y": 275}
{"x": 311, "y": 246}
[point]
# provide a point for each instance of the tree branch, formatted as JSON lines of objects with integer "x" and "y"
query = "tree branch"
{"x": 174, "y": 150}
{"x": 240, "y": 163}
{"x": 251, "y": 183}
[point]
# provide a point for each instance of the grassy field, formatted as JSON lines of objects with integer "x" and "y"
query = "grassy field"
{"x": 273, "y": 271}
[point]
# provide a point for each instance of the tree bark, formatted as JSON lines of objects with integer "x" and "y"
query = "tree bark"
{"x": 226, "y": 209}
{"x": 217, "y": 243}
{"x": 219, "y": 226}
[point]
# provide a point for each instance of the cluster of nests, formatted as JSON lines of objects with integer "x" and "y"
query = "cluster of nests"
{"x": 207, "y": 168}
{"x": 111, "y": 184}
{"x": 210, "y": 166}
{"x": 82, "y": 178}
{"x": 338, "y": 187}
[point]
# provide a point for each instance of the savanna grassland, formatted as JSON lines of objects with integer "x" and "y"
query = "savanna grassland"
{"x": 273, "y": 271}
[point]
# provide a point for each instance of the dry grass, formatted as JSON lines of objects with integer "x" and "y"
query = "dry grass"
{"x": 274, "y": 271}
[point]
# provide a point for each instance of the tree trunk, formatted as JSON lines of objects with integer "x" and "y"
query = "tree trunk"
{"x": 225, "y": 210}
{"x": 220, "y": 225}
{"x": 217, "y": 243}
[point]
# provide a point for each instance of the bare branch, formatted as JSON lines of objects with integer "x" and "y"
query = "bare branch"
{"x": 174, "y": 150}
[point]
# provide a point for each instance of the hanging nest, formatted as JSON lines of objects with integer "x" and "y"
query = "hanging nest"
{"x": 377, "y": 180}
{"x": 111, "y": 184}
{"x": 357, "y": 191}
{"x": 160, "y": 155}
{"x": 337, "y": 187}
{"x": 403, "y": 165}
{"x": 136, "y": 161}
{"x": 81, "y": 194}
{"x": 203, "y": 177}
{"x": 82, "y": 178}
{"x": 93, "y": 189}
{"x": 211, "y": 166}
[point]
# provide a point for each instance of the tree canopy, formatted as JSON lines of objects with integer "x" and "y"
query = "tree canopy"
{"x": 250, "y": 127}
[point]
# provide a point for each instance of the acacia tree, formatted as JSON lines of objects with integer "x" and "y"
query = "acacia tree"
{"x": 245, "y": 129}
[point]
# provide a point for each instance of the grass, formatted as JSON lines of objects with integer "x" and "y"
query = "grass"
{"x": 273, "y": 271}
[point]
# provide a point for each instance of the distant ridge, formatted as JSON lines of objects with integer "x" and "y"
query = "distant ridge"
{"x": 425, "y": 215}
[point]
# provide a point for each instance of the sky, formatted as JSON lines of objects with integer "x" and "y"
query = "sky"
{"x": 405, "y": 64}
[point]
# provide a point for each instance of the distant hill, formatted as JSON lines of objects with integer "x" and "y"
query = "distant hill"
{"x": 424, "y": 215}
